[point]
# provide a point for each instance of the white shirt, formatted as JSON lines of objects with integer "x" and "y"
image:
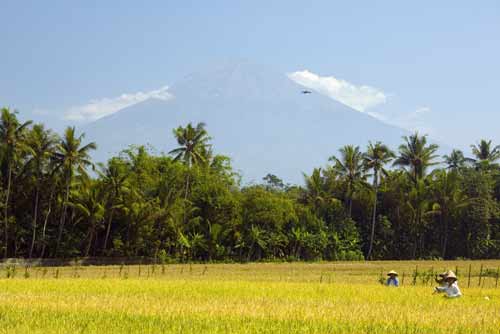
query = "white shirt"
{"x": 452, "y": 290}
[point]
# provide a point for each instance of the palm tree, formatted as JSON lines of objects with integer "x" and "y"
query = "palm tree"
{"x": 72, "y": 158}
{"x": 193, "y": 144}
{"x": 350, "y": 168}
{"x": 455, "y": 160}
{"x": 194, "y": 149}
{"x": 88, "y": 200}
{"x": 41, "y": 143}
{"x": 485, "y": 153}
{"x": 376, "y": 157}
{"x": 12, "y": 142}
{"x": 450, "y": 199}
{"x": 416, "y": 156}
{"x": 314, "y": 189}
{"x": 115, "y": 182}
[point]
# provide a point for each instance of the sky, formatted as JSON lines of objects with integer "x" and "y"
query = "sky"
{"x": 431, "y": 66}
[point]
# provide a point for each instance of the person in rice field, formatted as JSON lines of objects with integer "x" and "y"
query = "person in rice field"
{"x": 392, "y": 280}
{"x": 440, "y": 279}
{"x": 450, "y": 286}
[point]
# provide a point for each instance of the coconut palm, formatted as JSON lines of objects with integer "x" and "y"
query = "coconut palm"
{"x": 455, "y": 160}
{"x": 416, "y": 156}
{"x": 193, "y": 150}
{"x": 88, "y": 200}
{"x": 41, "y": 143}
{"x": 350, "y": 168}
{"x": 114, "y": 178}
{"x": 314, "y": 189}
{"x": 193, "y": 143}
{"x": 375, "y": 158}
{"x": 449, "y": 198}
{"x": 12, "y": 135}
{"x": 485, "y": 153}
{"x": 72, "y": 158}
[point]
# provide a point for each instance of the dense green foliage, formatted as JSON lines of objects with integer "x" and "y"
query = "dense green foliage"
{"x": 189, "y": 205}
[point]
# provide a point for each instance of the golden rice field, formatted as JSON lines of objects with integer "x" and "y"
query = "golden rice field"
{"x": 245, "y": 298}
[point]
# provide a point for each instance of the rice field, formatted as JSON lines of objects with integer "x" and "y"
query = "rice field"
{"x": 247, "y": 298}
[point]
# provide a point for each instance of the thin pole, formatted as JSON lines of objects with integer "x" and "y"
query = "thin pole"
{"x": 480, "y": 275}
{"x": 468, "y": 282}
{"x": 498, "y": 274}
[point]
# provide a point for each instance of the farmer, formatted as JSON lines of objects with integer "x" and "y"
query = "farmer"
{"x": 441, "y": 279}
{"x": 450, "y": 286}
{"x": 393, "y": 279}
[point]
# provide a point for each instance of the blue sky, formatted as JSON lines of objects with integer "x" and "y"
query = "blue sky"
{"x": 436, "y": 63}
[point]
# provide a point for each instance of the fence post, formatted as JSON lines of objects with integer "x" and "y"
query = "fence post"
{"x": 498, "y": 274}
{"x": 403, "y": 278}
{"x": 415, "y": 275}
{"x": 480, "y": 275}
{"x": 468, "y": 282}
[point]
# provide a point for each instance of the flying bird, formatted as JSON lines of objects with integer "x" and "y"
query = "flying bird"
{"x": 306, "y": 92}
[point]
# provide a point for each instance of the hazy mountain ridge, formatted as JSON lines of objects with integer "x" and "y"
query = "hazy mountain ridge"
{"x": 255, "y": 115}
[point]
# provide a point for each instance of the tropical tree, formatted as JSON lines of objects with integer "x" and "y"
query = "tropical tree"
{"x": 314, "y": 189}
{"x": 88, "y": 200}
{"x": 455, "y": 160}
{"x": 416, "y": 156}
{"x": 12, "y": 135}
{"x": 485, "y": 153}
{"x": 193, "y": 143}
{"x": 351, "y": 169}
{"x": 72, "y": 158}
{"x": 193, "y": 150}
{"x": 115, "y": 181}
{"x": 450, "y": 199}
{"x": 375, "y": 158}
{"x": 41, "y": 143}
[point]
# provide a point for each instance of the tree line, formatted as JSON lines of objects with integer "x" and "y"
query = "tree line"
{"x": 189, "y": 205}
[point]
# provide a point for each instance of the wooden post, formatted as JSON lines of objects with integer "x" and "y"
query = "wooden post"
{"x": 498, "y": 274}
{"x": 403, "y": 279}
{"x": 456, "y": 270}
{"x": 415, "y": 275}
{"x": 480, "y": 275}
{"x": 468, "y": 282}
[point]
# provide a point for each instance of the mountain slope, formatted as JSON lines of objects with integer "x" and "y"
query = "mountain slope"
{"x": 256, "y": 116}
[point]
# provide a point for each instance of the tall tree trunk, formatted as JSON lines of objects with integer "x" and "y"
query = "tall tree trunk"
{"x": 45, "y": 222}
{"x": 6, "y": 212}
{"x": 108, "y": 230}
{"x": 35, "y": 216}
{"x": 374, "y": 215}
{"x": 63, "y": 217}
{"x": 350, "y": 206}
{"x": 445, "y": 239}
{"x": 185, "y": 199}
{"x": 91, "y": 237}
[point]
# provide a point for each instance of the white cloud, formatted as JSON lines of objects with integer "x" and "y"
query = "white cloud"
{"x": 417, "y": 120}
{"x": 98, "y": 108}
{"x": 359, "y": 98}
{"x": 421, "y": 110}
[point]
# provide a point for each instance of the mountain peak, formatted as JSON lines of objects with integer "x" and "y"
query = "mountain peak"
{"x": 256, "y": 115}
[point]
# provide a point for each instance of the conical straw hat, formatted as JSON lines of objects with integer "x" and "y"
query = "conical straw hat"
{"x": 443, "y": 274}
{"x": 451, "y": 274}
{"x": 392, "y": 272}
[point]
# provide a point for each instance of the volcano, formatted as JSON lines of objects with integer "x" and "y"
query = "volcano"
{"x": 257, "y": 116}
